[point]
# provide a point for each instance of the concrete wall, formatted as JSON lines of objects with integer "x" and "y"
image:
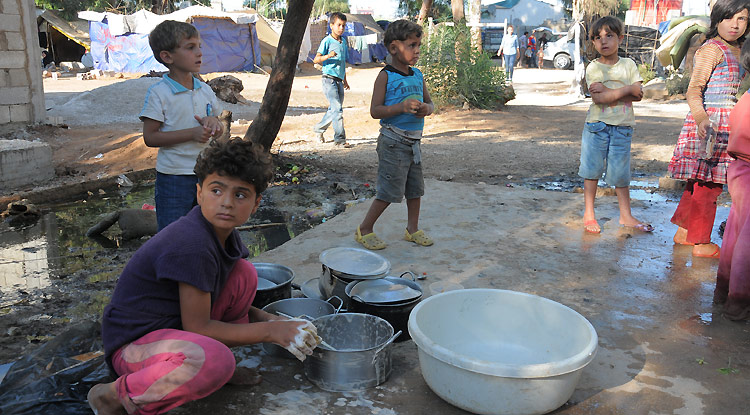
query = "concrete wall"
{"x": 21, "y": 89}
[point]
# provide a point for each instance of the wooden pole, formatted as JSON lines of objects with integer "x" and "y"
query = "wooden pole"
{"x": 267, "y": 123}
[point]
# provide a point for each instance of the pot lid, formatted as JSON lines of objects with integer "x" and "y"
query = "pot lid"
{"x": 355, "y": 261}
{"x": 383, "y": 291}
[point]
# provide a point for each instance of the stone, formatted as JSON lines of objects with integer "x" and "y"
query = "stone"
{"x": 18, "y": 77}
{"x": 20, "y": 113}
{"x": 15, "y": 41}
{"x": 668, "y": 183}
{"x": 15, "y": 95}
{"x": 24, "y": 162}
{"x": 655, "y": 90}
{"x": 12, "y": 59}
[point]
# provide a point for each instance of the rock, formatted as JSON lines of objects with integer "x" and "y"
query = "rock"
{"x": 227, "y": 88}
{"x": 655, "y": 90}
{"x": 134, "y": 223}
{"x": 21, "y": 213}
{"x": 668, "y": 183}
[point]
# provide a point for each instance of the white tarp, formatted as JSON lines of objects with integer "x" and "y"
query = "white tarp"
{"x": 143, "y": 21}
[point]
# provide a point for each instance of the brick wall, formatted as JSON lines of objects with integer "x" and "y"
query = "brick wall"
{"x": 21, "y": 89}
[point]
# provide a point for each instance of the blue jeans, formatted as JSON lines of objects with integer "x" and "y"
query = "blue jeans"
{"x": 606, "y": 147}
{"x": 334, "y": 92}
{"x": 175, "y": 196}
{"x": 510, "y": 62}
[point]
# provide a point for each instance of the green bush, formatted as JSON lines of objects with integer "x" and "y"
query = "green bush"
{"x": 456, "y": 73}
{"x": 647, "y": 73}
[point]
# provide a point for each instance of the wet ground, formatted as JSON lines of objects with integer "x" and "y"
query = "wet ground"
{"x": 663, "y": 347}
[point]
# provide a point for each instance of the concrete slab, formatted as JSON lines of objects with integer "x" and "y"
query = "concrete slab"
{"x": 663, "y": 347}
{"x": 24, "y": 162}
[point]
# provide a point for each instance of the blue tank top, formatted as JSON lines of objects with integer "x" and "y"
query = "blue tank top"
{"x": 402, "y": 86}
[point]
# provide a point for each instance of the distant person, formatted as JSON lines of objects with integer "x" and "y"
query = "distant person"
{"x": 332, "y": 55}
{"x": 509, "y": 50}
{"x": 531, "y": 51}
{"x": 614, "y": 84}
{"x": 542, "y": 43}
{"x": 185, "y": 296}
{"x": 733, "y": 276}
{"x": 523, "y": 43}
{"x": 401, "y": 101}
{"x": 711, "y": 94}
{"x": 179, "y": 117}
{"x": 47, "y": 60}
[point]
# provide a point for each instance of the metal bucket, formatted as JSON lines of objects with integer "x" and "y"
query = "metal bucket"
{"x": 362, "y": 355}
{"x": 278, "y": 274}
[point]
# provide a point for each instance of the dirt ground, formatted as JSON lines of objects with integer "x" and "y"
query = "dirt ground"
{"x": 536, "y": 136}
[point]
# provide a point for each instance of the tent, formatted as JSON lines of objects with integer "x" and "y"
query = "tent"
{"x": 229, "y": 41}
{"x": 67, "y": 40}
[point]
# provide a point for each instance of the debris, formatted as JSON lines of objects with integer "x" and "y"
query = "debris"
{"x": 134, "y": 223}
{"x": 21, "y": 213}
{"x": 228, "y": 88}
{"x": 123, "y": 181}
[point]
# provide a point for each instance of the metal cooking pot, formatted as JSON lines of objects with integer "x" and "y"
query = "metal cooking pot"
{"x": 343, "y": 265}
{"x": 309, "y": 308}
{"x": 282, "y": 278}
{"x": 395, "y": 314}
{"x": 362, "y": 356}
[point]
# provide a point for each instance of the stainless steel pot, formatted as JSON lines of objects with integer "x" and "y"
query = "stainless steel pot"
{"x": 299, "y": 307}
{"x": 282, "y": 278}
{"x": 343, "y": 265}
{"x": 397, "y": 314}
{"x": 359, "y": 356}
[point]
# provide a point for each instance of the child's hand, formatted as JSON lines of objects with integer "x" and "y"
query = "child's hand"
{"x": 637, "y": 91}
{"x": 211, "y": 124}
{"x": 423, "y": 111}
{"x": 297, "y": 336}
{"x": 331, "y": 54}
{"x": 411, "y": 106}
{"x": 702, "y": 128}
{"x": 346, "y": 84}
{"x": 597, "y": 88}
{"x": 200, "y": 134}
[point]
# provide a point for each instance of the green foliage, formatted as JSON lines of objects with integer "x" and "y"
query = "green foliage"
{"x": 69, "y": 9}
{"x": 678, "y": 83}
{"x": 440, "y": 11}
{"x": 647, "y": 72}
{"x": 270, "y": 9}
{"x": 456, "y": 73}
{"x": 322, "y": 6}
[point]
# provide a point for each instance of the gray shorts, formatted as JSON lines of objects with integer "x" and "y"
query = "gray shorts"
{"x": 398, "y": 175}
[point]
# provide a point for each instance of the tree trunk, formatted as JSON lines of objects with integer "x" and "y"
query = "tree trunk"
{"x": 266, "y": 125}
{"x": 457, "y": 7}
{"x": 424, "y": 11}
{"x": 475, "y": 15}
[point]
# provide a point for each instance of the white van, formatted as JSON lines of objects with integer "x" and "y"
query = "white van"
{"x": 560, "y": 52}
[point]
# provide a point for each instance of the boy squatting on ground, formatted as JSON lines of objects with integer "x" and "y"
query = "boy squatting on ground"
{"x": 185, "y": 297}
{"x": 614, "y": 83}
{"x": 332, "y": 55}
{"x": 178, "y": 118}
{"x": 401, "y": 101}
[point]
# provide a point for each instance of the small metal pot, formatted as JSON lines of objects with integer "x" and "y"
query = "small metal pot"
{"x": 343, "y": 265}
{"x": 359, "y": 357}
{"x": 395, "y": 314}
{"x": 299, "y": 307}
{"x": 280, "y": 275}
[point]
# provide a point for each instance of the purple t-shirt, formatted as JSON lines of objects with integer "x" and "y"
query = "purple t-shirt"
{"x": 147, "y": 296}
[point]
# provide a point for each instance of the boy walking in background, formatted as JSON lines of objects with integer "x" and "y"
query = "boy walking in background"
{"x": 178, "y": 118}
{"x": 614, "y": 83}
{"x": 332, "y": 55}
{"x": 401, "y": 101}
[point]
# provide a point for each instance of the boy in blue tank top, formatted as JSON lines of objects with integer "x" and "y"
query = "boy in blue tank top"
{"x": 401, "y": 101}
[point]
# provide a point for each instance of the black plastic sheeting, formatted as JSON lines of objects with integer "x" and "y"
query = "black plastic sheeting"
{"x": 640, "y": 44}
{"x": 49, "y": 381}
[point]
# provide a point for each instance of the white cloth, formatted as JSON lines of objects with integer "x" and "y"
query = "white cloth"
{"x": 176, "y": 107}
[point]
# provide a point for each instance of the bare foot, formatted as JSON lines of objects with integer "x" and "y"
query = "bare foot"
{"x": 245, "y": 376}
{"x": 680, "y": 237}
{"x": 103, "y": 400}
{"x": 706, "y": 250}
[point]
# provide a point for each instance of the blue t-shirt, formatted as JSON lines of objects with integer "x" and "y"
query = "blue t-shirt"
{"x": 147, "y": 296}
{"x": 335, "y": 66}
{"x": 400, "y": 87}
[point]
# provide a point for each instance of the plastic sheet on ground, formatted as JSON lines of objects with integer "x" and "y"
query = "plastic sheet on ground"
{"x": 55, "y": 378}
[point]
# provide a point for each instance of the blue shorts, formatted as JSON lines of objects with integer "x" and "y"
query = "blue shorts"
{"x": 175, "y": 196}
{"x": 606, "y": 149}
{"x": 398, "y": 175}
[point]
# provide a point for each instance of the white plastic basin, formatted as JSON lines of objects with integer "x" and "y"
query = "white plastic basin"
{"x": 501, "y": 352}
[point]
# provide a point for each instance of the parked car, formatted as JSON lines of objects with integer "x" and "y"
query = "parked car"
{"x": 560, "y": 52}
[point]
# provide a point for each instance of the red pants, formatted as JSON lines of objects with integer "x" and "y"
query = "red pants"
{"x": 697, "y": 210}
{"x": 733, "y": 277}
{"x": 167, "y": 368}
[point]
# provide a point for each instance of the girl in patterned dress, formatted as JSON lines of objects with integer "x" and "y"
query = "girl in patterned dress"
{"x": 713, "y": 85}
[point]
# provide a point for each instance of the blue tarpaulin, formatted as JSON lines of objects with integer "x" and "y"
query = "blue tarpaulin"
{"x": 226, "y": 47}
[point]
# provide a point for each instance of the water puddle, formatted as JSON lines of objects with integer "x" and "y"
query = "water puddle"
{"x": 56, "y": 246}
{"x": 643, "y": 188}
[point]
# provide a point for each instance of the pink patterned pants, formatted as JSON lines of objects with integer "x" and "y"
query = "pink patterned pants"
{"x": 167, "y": 368}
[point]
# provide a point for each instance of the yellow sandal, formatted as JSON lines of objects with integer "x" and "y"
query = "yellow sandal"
{"x": 369, "y": 241}
{"x": 418, "y": 237}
